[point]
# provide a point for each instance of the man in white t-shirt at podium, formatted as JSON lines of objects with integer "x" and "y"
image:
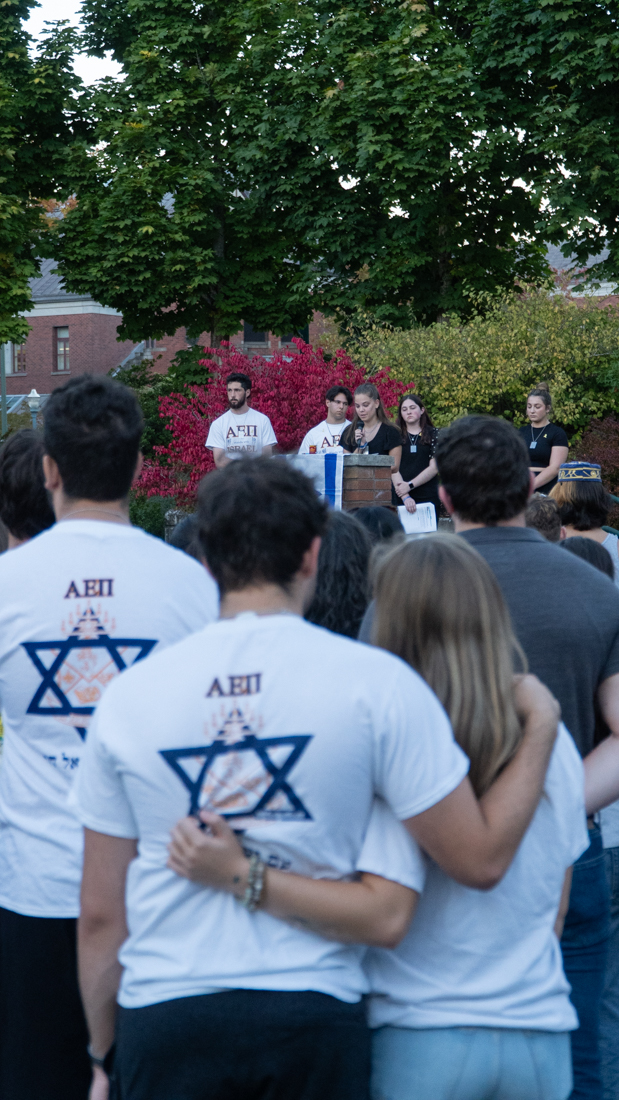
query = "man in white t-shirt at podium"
{"x": 240, "y": 432}
{"x": 327, "y": 434}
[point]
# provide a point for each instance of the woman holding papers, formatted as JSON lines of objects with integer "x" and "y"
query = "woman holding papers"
{"x": 417, "y": 479}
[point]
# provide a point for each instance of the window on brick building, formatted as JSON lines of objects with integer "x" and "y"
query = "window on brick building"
{"x": 250, "y": 336}
{"x": 19, "y": 358}
{"x": 15, "y": 359}
{"x": 302, "y": 333}
{"x": 62, "y": 349}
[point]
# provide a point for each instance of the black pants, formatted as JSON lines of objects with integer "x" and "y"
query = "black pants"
{"x": 43, "y": 1035}
{"x": 243, "y": 1045}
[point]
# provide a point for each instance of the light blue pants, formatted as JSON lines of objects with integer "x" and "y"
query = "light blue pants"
{"x": 470, "y": 1063}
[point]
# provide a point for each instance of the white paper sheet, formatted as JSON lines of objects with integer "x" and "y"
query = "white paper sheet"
{"x": 420, "y": 522}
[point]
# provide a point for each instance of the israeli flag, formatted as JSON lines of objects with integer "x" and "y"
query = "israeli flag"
{"x": 327, "y": 473}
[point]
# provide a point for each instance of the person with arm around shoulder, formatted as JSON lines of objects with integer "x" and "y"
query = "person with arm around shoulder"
{"x": 416, "y": 481}
{"x": 241, "y": 431}
{"x": 547, "y": 443}
{"x": 371, "y": 431}
{"x": 291, "y": 761}
{"x": 473, "y": 1001}
{"x": 326, "y": 435}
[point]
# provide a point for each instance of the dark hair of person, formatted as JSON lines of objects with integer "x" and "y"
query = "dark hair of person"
{"x": 591, "y": 551}
{"x": 379, "y": 521}
{"x": 425, "y": 420}
{"x": 93, "y": 428}
{"x": 185, "y": 536}
{"x": 25, "y": 506}
{"x": 237, "y": 376}
{"x": 582, "y": 504}
{"x": 541, "y": 390}
{"x": 257, "y": 517}
{"x": 342, "y": 586}
{"x": 440, "y": 608}
{"x": 332, "y": 393}
{"x": 483, "y": 464}
{"x": 368, "y": 390}
{"x": 543, "y": 515}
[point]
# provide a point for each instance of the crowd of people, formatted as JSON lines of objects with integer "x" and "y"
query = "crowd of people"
{"x": 300, "y": 808}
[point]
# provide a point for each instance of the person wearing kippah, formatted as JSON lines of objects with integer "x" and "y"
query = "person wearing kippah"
{"x": 584, "y": 505}
{"x": 547, "y": 443}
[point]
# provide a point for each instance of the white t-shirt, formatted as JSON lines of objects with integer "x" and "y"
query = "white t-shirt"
{"x": 475, "y": 958}
{"x": 239, "y": 436}
{"x": 324, "y": 435}
{"x": 243, "y": 718}
{"x": 78, "y": 604}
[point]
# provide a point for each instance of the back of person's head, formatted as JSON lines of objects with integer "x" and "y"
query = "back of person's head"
{"x": 440, "y": 608}
{"x": 185, "y": 536}
{"x": 335, "y": 391}
{"x": 342, "y": 587}
{"x": 379, "y": 521}
{"x": 543, "y": 515}
{"x": 591, "y": 551}
{"x": 582, "y": 504}
{"x": 93, "y": 428}
{"x": 25, "y": 507}
{"x": 257, "y": 517}
{"x": 243, "y": 379}
{"x": 484, "y": 466}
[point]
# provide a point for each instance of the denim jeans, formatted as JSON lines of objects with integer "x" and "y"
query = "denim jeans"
{"x": 609, "y": 1010}
{"x": 470, "y": 1063}
{"x": 585, "y": 946}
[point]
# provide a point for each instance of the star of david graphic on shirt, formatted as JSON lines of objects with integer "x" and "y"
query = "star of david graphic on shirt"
{"x": 239, "y": 775}
{"x": 76, "y": 670}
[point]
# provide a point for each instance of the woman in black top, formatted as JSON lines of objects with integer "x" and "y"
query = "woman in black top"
{"x": 547, "y": 443}
{"x": 370, "y": 431}
{"x": 417, "y": 480}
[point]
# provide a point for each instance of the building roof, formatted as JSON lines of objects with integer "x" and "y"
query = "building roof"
{"x": 49, "y": 287}
{"x": 560, "y": 262}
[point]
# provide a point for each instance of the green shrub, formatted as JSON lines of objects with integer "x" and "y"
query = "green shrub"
{"x": 488, "y": 364}
{"x": 148, "y": 513}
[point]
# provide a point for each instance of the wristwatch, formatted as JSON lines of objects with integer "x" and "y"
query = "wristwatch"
{"x": 104, "y": 1063}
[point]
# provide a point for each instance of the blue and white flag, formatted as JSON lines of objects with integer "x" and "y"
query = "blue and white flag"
{"x": 327, "y": 473}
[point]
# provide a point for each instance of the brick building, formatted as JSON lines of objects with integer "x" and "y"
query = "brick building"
{"x": 71, "y": 334}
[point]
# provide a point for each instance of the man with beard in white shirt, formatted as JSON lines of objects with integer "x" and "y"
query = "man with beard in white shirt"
{"x": 216, "y": 998}
{"x": 242, "y": 431}
{"x": 79, "y": 603}
{"x": 327, "y": 434}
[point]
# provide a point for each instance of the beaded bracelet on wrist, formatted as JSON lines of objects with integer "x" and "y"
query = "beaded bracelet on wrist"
{"x": 255, "y": 883}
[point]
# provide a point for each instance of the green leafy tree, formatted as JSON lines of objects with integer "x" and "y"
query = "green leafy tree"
{"x": 38, "y": 120}
{"x": 260, "y": 159}
{"x": 553, "y": 68}
{"x": 166, "y": 229}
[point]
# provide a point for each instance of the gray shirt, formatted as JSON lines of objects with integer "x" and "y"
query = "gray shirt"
{"x": 565, "y": 615}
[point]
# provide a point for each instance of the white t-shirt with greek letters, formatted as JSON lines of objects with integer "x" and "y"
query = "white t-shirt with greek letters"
{"x": 78, "y": 604}
{"x": 241, "y": 435}
{"x": 324, "y": 435}
{"x": 242, "y": 718}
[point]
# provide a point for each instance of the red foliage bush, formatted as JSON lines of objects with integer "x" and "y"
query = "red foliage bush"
{"x": 600, "y": 443}
{"x": 289, "y": 389}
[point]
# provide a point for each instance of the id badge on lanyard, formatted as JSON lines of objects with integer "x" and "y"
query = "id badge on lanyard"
{"x": 532, "y": 445}
{"x": 413, "y": 448}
